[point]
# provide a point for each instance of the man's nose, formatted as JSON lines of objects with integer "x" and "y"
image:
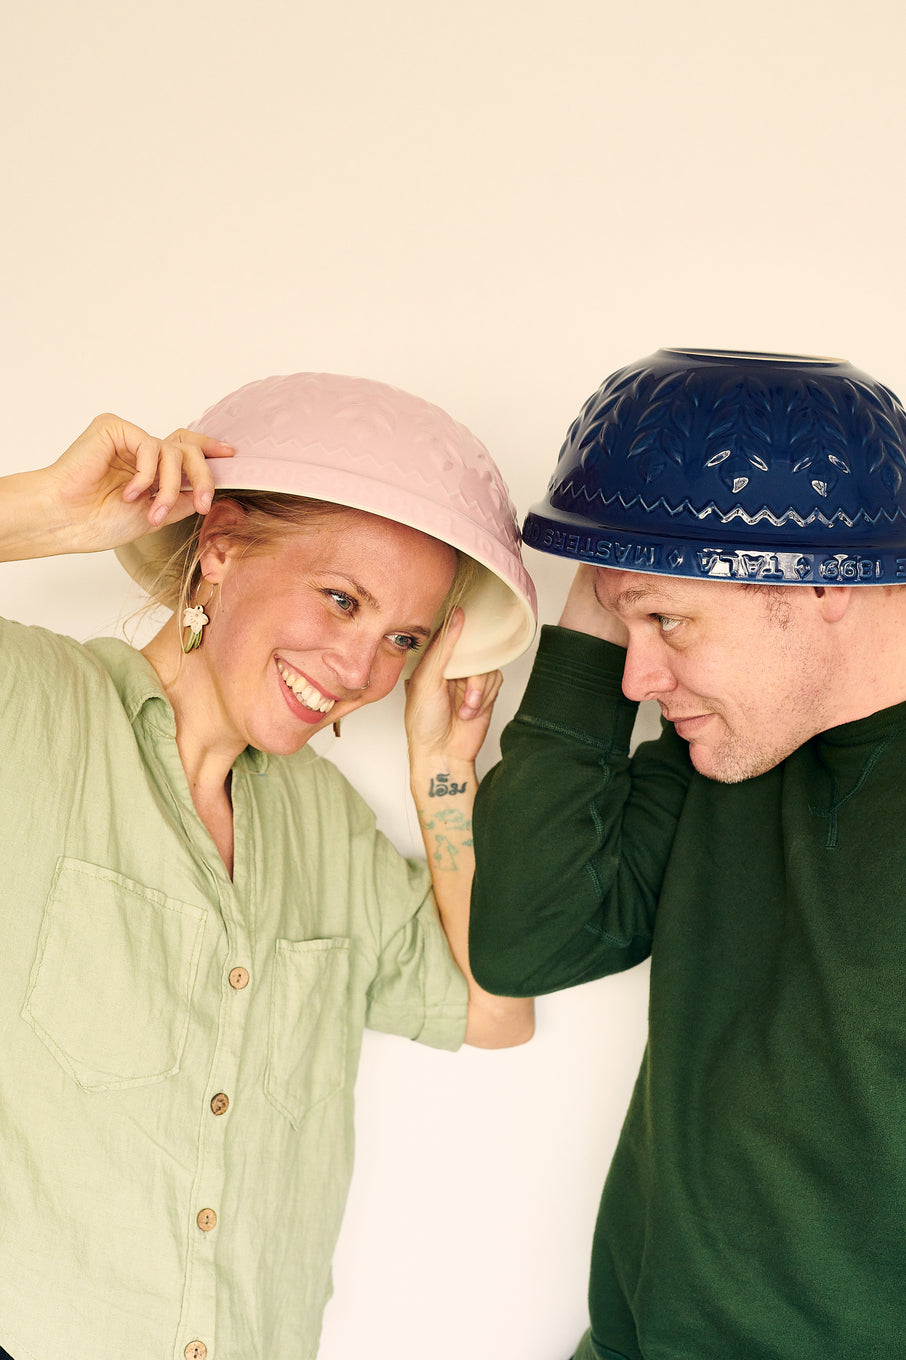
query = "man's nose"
{"x": 647, "y": 674}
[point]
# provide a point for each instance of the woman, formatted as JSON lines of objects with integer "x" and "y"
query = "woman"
{"x": 200, "y": 916}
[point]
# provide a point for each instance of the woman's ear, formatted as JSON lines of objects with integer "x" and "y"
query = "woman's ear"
{"x": 219, "y": 539}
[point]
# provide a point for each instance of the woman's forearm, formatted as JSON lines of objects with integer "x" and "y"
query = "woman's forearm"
{"x": 444, "y": 792}
{"x": 32, "y": 524}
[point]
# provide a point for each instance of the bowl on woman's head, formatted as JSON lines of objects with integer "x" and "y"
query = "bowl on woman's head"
{"x": 372, "y": 447}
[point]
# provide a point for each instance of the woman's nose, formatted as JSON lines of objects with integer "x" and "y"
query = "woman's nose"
{"x": 646, "y": 674}
{"x": 353, "y": 663}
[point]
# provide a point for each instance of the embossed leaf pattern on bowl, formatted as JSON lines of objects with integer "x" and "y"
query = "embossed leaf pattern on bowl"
{"x": 734, "y": 465}
{"x": 742, "y": 436}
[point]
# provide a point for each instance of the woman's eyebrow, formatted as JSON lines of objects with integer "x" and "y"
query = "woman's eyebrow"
{"x": 362, "y": 591}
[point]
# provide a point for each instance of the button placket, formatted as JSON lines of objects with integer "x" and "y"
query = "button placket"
{"x": 235, "y": 964}
{"x": 199, "y": 1306}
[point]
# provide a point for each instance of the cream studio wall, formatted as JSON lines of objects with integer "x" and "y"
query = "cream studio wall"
{"x": 492, "y": 204}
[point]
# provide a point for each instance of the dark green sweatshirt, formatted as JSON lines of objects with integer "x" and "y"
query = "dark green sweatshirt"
{"x": 755, "y": 1208}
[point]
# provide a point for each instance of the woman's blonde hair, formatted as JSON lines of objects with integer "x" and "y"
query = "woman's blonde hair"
{"x": 267, "y": 518}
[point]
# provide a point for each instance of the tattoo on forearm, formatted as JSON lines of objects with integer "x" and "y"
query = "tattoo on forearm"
{"x": 452, "y": 833}
{"x": 440, "y": 787}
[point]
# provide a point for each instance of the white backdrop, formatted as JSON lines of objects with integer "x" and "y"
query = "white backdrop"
{"x": 493, "y": 205}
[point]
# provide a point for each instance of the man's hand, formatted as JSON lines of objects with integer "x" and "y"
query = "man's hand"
{"x": 584, "y": 613}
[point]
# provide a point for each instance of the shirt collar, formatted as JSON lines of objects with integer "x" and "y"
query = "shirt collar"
{"x": 139, "y": 688}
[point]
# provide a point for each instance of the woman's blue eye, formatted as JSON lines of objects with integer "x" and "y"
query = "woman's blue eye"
{"x": 342, "y": 600}
{"x": 405, "y": 641}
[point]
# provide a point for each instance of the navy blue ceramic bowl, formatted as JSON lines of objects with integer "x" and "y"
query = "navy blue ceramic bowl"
{"x": 718, "y": 464}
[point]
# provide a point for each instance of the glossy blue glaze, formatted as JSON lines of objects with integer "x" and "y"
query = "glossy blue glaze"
{"x": 724, "y": 465}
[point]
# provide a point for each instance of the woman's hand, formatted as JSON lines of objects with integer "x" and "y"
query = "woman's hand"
{"x": 448, "y": 718}
{"x": 116, "y": 481}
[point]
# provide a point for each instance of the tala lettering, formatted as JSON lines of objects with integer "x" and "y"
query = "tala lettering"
{"x": 749, "y": 566}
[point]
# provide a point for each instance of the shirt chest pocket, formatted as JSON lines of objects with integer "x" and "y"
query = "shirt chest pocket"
{"x": 308, "y": 1024}
{"x": 112, "y": 979}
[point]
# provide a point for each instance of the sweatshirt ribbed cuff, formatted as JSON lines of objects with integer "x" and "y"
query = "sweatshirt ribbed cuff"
{"x": 575, "y": 684}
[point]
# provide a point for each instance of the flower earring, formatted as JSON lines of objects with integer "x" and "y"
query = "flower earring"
{"x": 194, "y": 618}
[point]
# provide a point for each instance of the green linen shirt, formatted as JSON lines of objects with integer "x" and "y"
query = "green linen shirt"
{"x": 755, "y": 1207}
{"x": 179, "y": 1048}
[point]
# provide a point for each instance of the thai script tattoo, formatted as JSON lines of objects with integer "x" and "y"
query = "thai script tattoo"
{"x": 440, "y": 787}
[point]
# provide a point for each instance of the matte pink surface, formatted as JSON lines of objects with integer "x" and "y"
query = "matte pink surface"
{"x": 373, "y": 447}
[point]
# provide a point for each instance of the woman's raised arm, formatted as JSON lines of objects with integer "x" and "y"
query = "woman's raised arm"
{"x": 446, "y": 723}
{"x": 110, "y": 486}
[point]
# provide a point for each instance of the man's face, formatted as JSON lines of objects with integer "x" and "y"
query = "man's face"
{"x": 744, "y": 674}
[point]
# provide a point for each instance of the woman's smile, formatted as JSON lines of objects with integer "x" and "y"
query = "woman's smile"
{"x": 306, "y": 697}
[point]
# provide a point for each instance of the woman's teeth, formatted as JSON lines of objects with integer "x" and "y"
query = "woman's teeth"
{"x": 306, "y": 693}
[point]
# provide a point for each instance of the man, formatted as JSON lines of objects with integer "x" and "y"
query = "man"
{"x": 741, "y": 521}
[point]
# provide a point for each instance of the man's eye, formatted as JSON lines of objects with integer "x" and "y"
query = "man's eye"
{"x": 666, "y": 623}
{"x": 405, "y": 641}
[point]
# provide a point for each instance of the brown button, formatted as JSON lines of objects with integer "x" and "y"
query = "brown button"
{"x": 206, "y": 1220}
{"x": 239, "y": 978}
{"x": 196, "y": 1350}
{"x": 220, "y": 1103}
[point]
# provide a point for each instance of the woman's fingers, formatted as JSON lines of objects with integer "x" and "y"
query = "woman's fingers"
{"x": 443, "y": 642}
{"x": 469, "y": 697}
{"x": 146, "y": 455}
{"x": 171, "y": 469}
{"x": 479, "y": 694}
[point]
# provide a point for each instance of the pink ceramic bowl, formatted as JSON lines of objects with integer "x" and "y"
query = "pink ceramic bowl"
{"x": 372, "y": 447}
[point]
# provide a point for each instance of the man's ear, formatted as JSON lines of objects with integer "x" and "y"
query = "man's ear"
{"x": 833, "y": 601}
{"x": 220, "y": 539}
